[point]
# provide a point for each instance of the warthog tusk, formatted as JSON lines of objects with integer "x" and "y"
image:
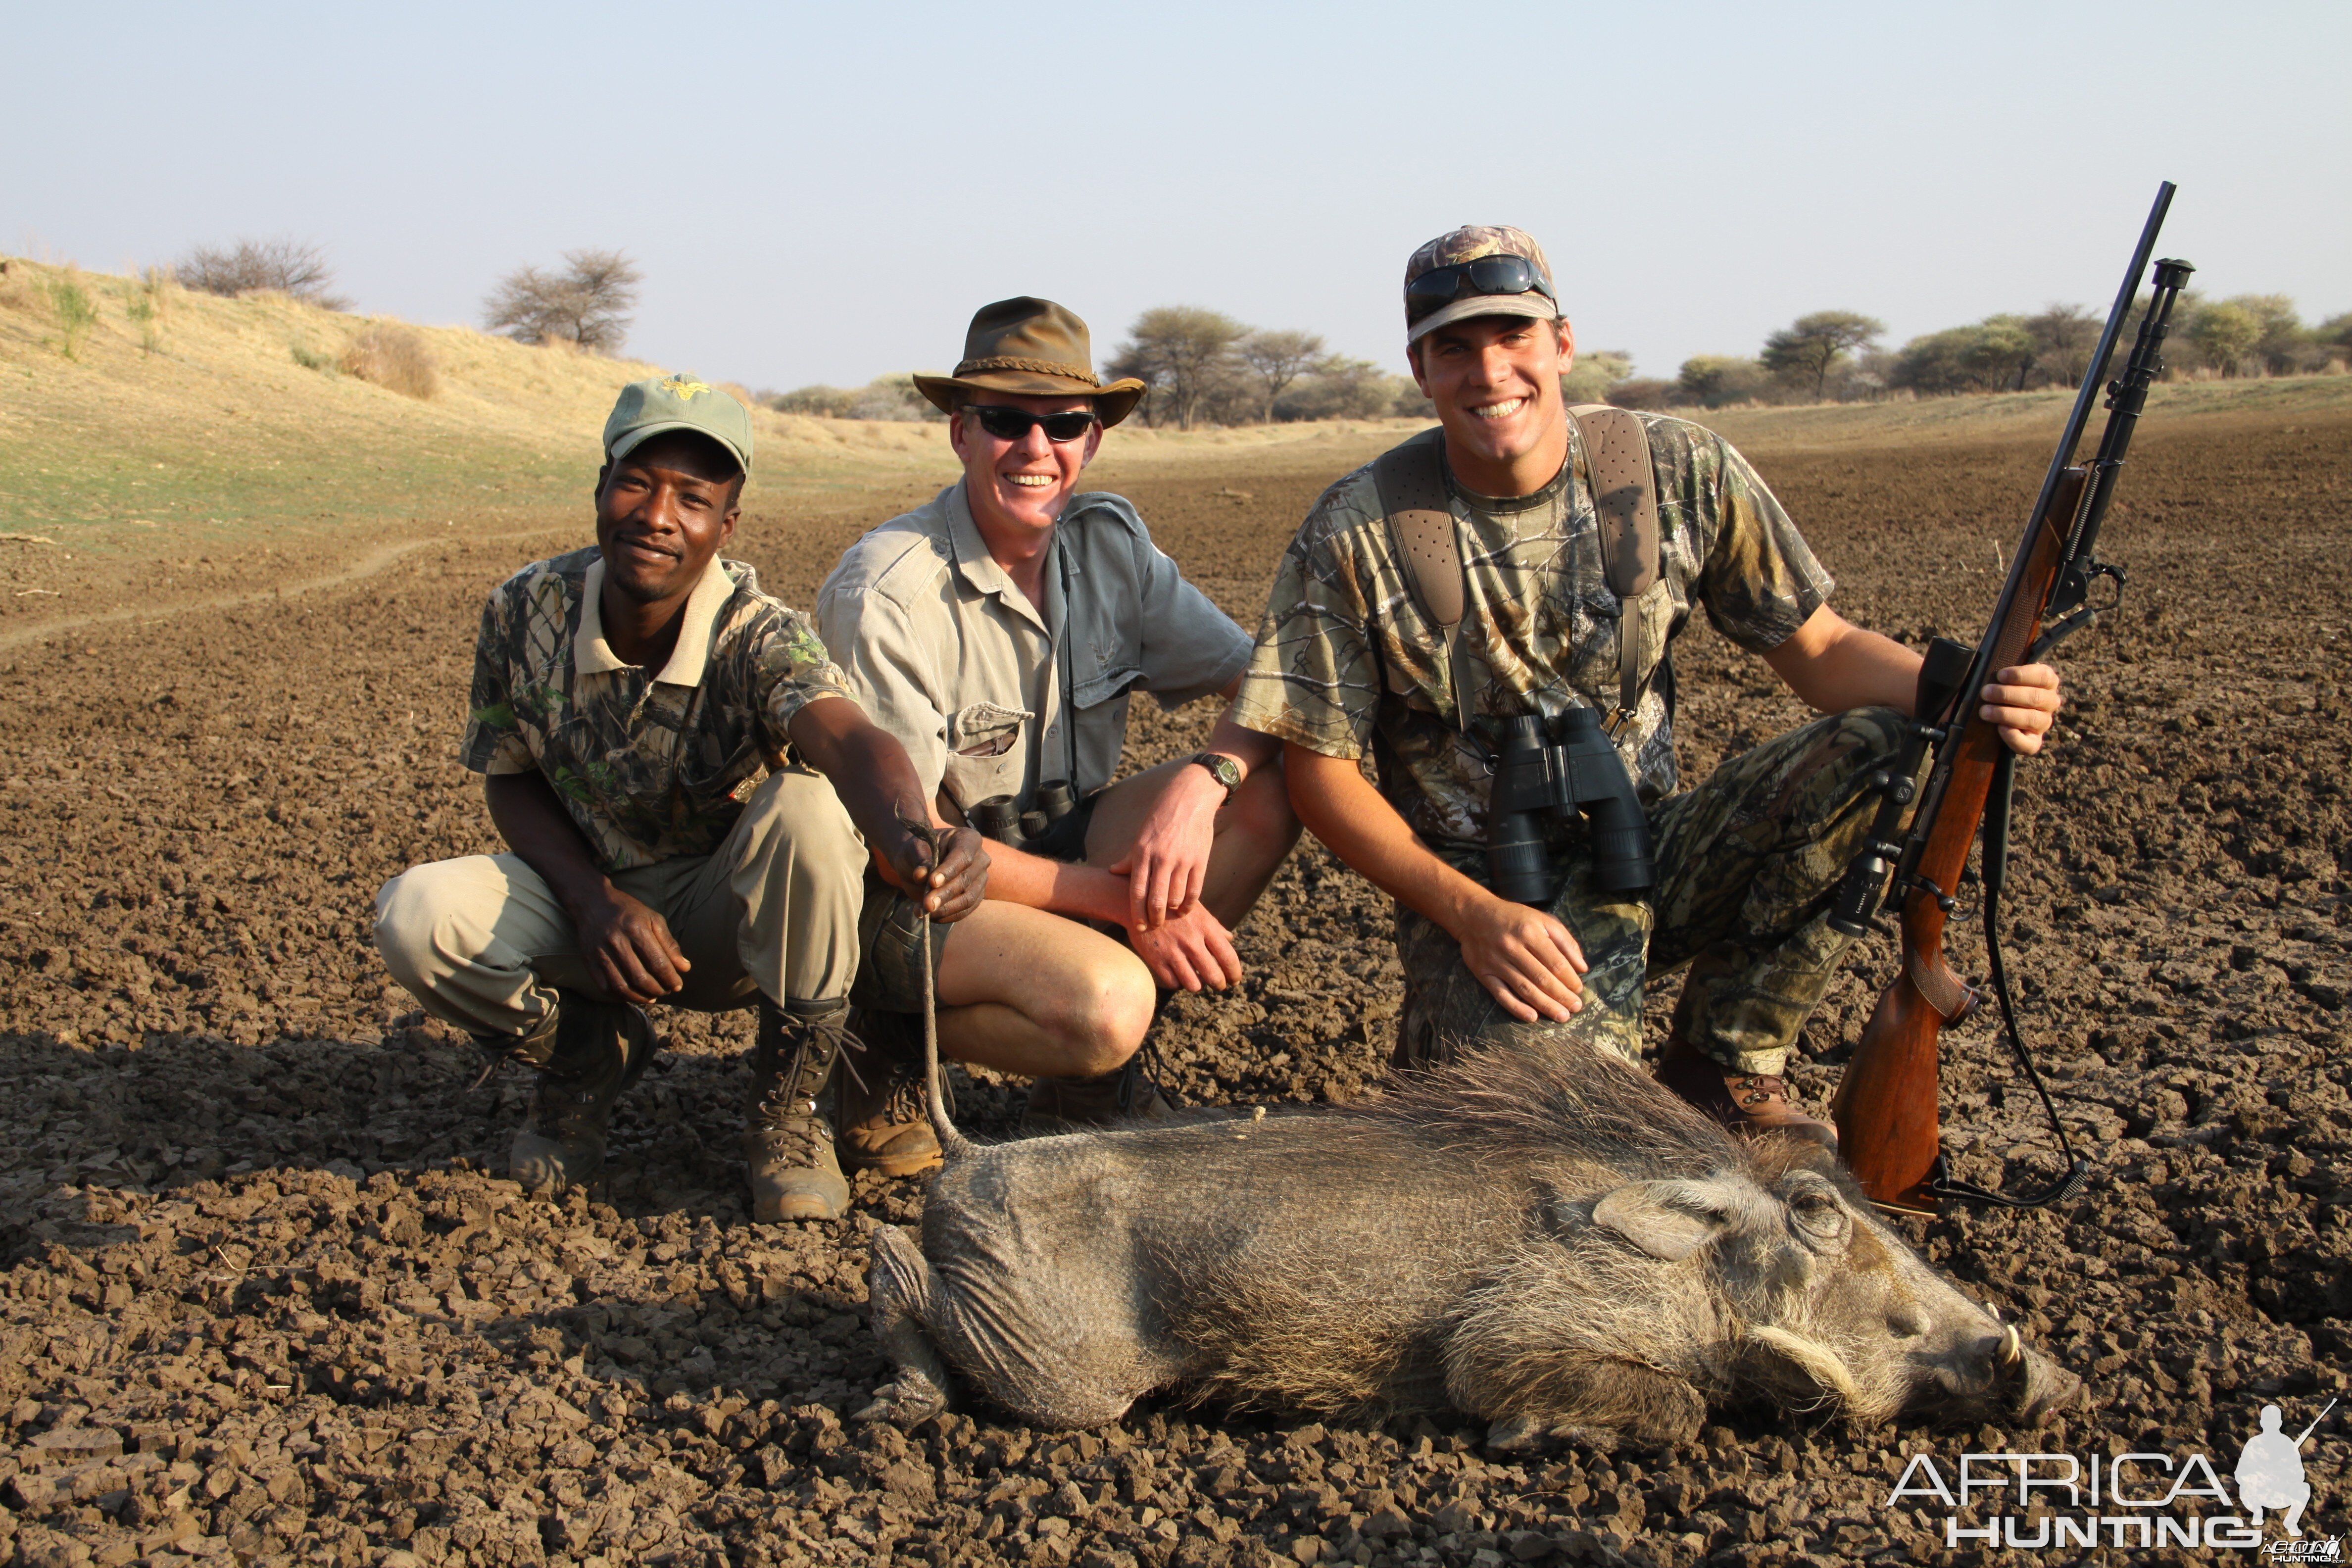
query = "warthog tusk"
{"x": 2013, "y": 1348}
{"x": 1816, "y": 1360}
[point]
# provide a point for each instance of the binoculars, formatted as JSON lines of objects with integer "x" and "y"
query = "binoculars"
{"x": 1563, "y": 769}
{"x": 999, "y": 816}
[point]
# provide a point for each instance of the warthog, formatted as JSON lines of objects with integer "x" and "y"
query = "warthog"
{"x": 1542, "y": 1238}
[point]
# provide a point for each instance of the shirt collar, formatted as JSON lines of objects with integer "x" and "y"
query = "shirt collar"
{"x": 591, "y": 654}
{"x": 985, "y": 573}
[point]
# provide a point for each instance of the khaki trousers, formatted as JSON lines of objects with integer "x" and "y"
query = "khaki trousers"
{"x": 483, "y": 944}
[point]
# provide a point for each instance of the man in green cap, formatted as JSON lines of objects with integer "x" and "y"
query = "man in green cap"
{"x": 998, "y": 631}
{"x": 627, "y": 699}
{"x": 1520, "y": 567}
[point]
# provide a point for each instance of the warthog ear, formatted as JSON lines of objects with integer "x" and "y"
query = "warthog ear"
{"x": 1669, "y": 1220}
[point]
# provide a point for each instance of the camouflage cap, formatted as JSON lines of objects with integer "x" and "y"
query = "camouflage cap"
{"x": 1469, "y": 243}
{"x": 650, "y": 407}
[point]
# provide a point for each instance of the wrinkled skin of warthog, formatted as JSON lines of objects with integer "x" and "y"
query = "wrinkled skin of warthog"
{"x": 1544, "y": 1240}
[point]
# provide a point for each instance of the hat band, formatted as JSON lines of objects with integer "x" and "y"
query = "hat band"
{"x": 1038, "y": 367}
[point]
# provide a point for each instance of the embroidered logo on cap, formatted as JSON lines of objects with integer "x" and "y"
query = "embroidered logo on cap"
{"x": 685, "y": 389}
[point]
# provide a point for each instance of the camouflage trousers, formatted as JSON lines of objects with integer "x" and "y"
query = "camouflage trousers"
{"x": 1745, "y": 864}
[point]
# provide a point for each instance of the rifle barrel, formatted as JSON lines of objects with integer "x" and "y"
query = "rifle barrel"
{"x": 2079, "y": 418}
{"x": 2315, "y": 1424}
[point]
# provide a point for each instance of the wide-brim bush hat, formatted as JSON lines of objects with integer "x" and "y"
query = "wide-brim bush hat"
{"x": 1033, "y": 348}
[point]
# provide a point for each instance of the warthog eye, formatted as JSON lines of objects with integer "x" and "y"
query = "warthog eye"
{"x": 1818, "y": 1215}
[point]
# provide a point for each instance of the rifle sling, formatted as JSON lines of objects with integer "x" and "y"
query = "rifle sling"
{"x": 1411, "y": 479}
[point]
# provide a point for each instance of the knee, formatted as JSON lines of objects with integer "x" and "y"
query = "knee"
{"x": 1101, "y": 1018}
{"x": 798, "y": 813}
{"x": 412, "y": 922}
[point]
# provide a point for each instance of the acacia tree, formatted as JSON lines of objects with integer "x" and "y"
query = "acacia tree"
{"x": 586, "y": 304}
{"x": 2064, "y": 336}
{"x": 1180, "y": 352}
{"x": 1278, "y": 358}
{"x": 1816, "y": 344}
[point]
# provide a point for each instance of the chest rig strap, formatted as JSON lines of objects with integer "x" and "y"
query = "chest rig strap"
{"x": 1411, "y": 479}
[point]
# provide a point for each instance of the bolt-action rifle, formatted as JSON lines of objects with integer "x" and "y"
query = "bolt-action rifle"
{"x": 1886, "y": 1106}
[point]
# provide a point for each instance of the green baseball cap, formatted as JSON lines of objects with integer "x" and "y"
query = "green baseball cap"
{"x": 647, "y": 408}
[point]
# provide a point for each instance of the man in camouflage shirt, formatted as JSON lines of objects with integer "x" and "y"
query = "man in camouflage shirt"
{"x": 627, "y": 699}
{"x": 1347, "y": 660}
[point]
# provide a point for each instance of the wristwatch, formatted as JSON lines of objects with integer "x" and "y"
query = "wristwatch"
{"x": 1221, "y": 768}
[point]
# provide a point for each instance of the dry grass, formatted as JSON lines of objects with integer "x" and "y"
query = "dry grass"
{"x": 393, "y": 356}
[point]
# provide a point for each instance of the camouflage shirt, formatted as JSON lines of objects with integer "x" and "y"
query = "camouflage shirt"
{"x": 1346, "y": 660}
{"x": 651, "y": 769}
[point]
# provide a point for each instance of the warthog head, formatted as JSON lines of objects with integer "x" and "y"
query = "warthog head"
{"x": 1825, "y": 1304}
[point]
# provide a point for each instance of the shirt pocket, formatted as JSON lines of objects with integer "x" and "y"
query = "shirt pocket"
{"x": 1098, "y": 711}
{"x": 986, "y": 755}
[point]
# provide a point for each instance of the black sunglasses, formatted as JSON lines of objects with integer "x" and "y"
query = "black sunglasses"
{"x": 1015, "y": 424}
{"x": 1486, "y": 275}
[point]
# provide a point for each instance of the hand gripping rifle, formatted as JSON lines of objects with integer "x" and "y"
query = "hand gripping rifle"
{"x": 1886, "y": 1106}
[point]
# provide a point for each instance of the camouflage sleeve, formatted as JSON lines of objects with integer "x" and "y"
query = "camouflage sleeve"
{"x": 792, "y": 670}
{"x": 1313, "y": 678}
{"x": 1759, "y": 579}
{"x": 493, "y": 741}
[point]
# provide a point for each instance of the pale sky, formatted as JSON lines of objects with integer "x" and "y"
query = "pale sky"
{"x": 826, "y": 193}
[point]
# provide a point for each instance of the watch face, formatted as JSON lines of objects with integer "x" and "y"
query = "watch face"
{"x": 1224, "y": 769}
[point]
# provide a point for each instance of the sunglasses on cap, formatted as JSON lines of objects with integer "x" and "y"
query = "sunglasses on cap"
{"x": 1015, "y": 424}
{"x": 1442, "y": 286}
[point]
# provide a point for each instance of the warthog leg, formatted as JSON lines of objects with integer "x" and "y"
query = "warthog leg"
{"x": 899, "y": 1286}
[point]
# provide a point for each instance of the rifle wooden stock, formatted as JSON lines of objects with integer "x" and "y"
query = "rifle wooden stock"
{"x": 1885, "y": 1107}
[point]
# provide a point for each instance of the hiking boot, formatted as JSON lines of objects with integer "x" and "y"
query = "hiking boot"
{"x": 591, "y": 1052}
{"x": 788, "y": 1136}
{"x": 1744, "y": 1102}
{"x": 881, "y": 1123}
{"x": 1124, "y": 1095}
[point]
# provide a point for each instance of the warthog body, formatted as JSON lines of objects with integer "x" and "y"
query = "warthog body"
{"x": 1544, "y": 1240}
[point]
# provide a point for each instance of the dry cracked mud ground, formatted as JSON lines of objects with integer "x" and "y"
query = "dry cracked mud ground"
{"x": 266, "y": 1299}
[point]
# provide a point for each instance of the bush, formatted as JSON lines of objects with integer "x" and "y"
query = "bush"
{"x": 584, "y": 305}
{"x": 77, "y": 312}
{"x": 1647, "y": 392}
{"x": 255, "y": 265}
{"x": 1986, "y": 357}
{"x": 816, "y": 402}
{"x": 1593, "y": 375}
{"x": 394, "y": 357}
{"x": 143, "y": 300}
{"x": 1717, "y": 381}
{"x": 886, "y": 397}
{"x": 1340, "y": 388}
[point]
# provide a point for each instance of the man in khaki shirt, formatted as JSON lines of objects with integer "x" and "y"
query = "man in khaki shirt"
{"x": 997, "y": 632}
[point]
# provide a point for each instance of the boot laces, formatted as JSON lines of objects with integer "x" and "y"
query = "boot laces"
{"x": 817, "y": 1047}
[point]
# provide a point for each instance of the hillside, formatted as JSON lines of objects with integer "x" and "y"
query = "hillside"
{"x": 217, "y": 453}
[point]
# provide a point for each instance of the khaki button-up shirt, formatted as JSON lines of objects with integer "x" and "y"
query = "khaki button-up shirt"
{"x": 993, "y": 695}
